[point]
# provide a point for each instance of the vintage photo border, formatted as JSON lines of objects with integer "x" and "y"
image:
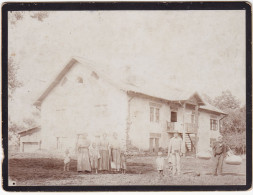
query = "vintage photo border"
{"x": 127, "y": 6}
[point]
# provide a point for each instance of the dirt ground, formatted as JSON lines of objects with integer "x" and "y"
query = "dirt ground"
{"x": 42, "y": 170}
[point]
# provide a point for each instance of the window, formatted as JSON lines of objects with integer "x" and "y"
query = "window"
{"x": 173, "y": 117}
{"x": 151, "y": 114}
{"x": 213, "y": 124}
{"x": 157, "y": 110}
{"x": 154, "y": 114}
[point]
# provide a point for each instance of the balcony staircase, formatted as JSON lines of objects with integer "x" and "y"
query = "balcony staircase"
{"x": 189, "y": 142}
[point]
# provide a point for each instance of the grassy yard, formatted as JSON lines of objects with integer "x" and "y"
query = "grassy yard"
{"x": 140, "y": 171}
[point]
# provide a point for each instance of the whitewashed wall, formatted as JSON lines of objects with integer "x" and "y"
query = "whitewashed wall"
{"x": 141, "y": 127}
{"x": 205, "y": 133}
{"x": 93, "y": 106}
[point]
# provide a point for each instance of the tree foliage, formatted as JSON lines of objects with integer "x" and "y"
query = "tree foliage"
{"x": 40, "y": 16}
{"x": 226, "y": 101}
{"x": 13, "y": 82}
{"x": 16, "y": 16}
{"x": 234, "y": 124}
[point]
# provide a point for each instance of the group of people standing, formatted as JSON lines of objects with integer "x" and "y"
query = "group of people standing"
{"x": 176, "y": 149}
{"x": 102, "y": 155}
{"x": 105, "y": 155}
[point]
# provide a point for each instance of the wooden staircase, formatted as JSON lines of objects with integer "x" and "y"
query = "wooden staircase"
{"x": 189, "y": 142}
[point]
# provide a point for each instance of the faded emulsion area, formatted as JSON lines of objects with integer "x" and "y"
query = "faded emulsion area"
{"x": 126, "y": 98}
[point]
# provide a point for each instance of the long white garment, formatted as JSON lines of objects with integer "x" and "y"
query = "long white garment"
{"x": 176, "y": 145}
{"x": 160, "y": 163}
{"x": 176, "y": 163}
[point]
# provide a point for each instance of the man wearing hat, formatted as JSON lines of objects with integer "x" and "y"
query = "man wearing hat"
{"x": 176, "y": 150}
{"x": 219, "y": 153}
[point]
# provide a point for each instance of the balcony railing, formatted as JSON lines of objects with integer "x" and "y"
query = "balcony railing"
{"x": 170, "y": 126}
{"x": 190, "y": 128}
{"x": 177, "y": 127}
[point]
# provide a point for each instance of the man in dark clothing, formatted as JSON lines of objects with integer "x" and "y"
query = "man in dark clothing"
{"x": 219, "y": 153}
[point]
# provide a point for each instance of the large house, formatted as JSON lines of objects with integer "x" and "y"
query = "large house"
{"x": 83, "y": 99}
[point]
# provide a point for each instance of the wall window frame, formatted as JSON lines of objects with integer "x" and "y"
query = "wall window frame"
{"x": 213, "y": 124}
{"x": 155, "y": 114}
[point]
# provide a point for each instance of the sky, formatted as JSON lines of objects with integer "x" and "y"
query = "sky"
{"x": 200, "y": 51}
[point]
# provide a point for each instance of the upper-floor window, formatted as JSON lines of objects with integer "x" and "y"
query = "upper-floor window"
{"x": 151, "y": 114}
{"x": 154, "y": 114}
{"x": 173, "y": 117}
{"x": 157, "y": 115}
{"x": 213, "y": 124}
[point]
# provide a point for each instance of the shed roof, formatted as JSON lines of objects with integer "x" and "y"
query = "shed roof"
{"x": 29, "y": 131}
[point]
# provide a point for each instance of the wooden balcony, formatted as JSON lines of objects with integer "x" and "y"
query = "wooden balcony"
{"x": 174, "y": 127}
{"x": 177, "y": 127}
{"x": 190, "y": 127}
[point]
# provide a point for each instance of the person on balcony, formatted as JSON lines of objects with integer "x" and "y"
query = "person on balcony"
{"x": 176, "y": 150}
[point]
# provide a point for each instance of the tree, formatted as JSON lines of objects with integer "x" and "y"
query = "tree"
{"x": 40, "y": 15}
{"x": 226, "y": 101}
{"x": 235, "y": 121}
{"x": 16, "y": 16}
{"x": 13, "y": 83}
{"x": 234, "y": 124}
{"x": 207, "y": 98}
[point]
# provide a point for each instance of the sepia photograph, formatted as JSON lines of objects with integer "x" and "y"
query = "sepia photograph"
{"x": 126, "y": 97}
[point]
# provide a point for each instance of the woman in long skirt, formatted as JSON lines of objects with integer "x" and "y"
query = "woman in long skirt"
{"x": 83, "y": 160}
{"x": 104, "y": 163}
{"x": 115, "y": 153}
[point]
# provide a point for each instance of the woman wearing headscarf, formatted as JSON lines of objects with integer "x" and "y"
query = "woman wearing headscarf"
{"x": 104, "y": 149}
{"x": 115, "y": 153}
{"x": 83, "y": 160}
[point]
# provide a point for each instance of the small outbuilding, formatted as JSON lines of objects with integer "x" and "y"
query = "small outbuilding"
{"x": 30, "y": 140}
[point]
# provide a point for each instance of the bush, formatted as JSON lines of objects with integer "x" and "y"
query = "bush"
{"x": 236, "y": 141}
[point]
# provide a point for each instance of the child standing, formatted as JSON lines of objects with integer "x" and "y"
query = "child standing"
{"x": 123, "y": 162}
{"x": 66, "y": 160}
{"x": 160, "y": 163}
{"x": 94, "y": 157}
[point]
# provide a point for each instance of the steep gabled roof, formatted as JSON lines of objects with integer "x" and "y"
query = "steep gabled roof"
{"x": 159, "y": 91}
{"x": 55, "y": 82}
